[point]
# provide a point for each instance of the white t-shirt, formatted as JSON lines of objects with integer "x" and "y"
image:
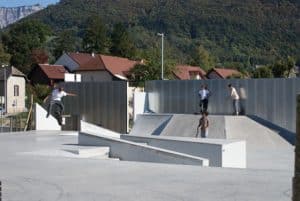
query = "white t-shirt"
{"x": 57, "y": 95}
{"x": 203, "y": 93}
{"x": 234, "y": 95}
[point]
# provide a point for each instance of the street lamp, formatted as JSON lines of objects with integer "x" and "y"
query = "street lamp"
{"x": 162, "y": 54}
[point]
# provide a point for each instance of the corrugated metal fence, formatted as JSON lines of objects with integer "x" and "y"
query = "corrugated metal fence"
{"x": 273, "y": 100}
{"x": 101, "y": 103}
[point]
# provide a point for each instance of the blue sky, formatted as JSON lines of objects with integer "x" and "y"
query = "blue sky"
{"x": 14, "y": 3}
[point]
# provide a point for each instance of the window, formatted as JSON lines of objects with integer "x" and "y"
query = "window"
{"x": 16, "y": 90}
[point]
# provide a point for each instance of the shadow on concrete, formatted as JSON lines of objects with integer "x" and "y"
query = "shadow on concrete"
{"x": 159, "y": 129}
{"x": 284, "y": 133}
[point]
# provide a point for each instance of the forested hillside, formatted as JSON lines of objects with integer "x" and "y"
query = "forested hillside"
{"x": 200, "y": 32}
{"x": 254, "y": 31}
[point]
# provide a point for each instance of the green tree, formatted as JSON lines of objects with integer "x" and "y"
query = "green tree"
{"x": 279, "y": 69}
{"x": 95, "y": 36}
{"x": 262, "y": 72}
{"x": 203, "y": 58}
{"x": 21, "y": 39}
{"x": 290, "y": 63}
{"x": 121, "y": 44}
{"x": 282, "y": 68}
{"x": 4, "y": 57}
{"x": 151, "y": 69}
{"x": 64, "y": 42}
{"x": 39, "y": 92}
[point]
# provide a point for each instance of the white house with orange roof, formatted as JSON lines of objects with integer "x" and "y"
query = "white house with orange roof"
{"x": 97, "y": 67}
{"x": 187, "y": 72}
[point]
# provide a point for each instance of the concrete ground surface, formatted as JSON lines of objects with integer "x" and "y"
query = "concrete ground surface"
{"x": 33, "y": 167}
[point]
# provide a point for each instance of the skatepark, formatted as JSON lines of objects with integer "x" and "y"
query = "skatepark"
{"x": 158, "y": 159}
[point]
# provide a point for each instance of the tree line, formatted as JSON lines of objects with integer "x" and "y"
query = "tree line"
{"x": 29, "y": 42}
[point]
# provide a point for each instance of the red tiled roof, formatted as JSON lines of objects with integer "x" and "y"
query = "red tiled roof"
{"x": 87, "y": 62}
{"x": 53, "y": 71}
{"x": 184, "y": 72}
{"x": 225, "y": 72}
{"x": 118, "y": 65}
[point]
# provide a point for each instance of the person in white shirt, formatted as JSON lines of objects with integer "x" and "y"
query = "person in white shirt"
{"x": 56, "y": 96}
{"x": 204, "y": 94}
{"x": 235, "y": 99}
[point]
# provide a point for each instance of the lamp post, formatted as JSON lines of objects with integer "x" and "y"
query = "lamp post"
{"x": 162, "y": 54}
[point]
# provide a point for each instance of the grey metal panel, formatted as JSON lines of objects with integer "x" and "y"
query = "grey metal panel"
{"x": 271, "y": 99}
{"x": 101, "y": 103}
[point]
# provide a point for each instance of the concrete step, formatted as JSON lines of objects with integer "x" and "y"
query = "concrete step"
{"x": 102, "y": 152}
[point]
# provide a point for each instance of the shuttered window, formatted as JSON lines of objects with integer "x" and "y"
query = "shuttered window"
{"x": 16, "y": 90}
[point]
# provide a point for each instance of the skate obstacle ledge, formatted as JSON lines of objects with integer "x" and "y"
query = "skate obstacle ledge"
{"x": 219, "y": 152}
{"x": 131, "y": 151}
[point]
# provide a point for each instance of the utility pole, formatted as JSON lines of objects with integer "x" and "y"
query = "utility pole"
{"x": 162, "y": 54}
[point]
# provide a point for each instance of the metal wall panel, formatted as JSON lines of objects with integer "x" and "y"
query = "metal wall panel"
{"x": 271, "y": 99}
{"x": 101, "y": 103}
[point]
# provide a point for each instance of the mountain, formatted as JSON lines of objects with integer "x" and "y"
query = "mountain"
{"x": 243, "y": 31}
{"x": 11, "y": 15}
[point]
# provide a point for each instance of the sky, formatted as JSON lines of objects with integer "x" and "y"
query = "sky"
{"x": 14, "y": 3}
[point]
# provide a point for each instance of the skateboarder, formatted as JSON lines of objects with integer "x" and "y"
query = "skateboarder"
{"x": 235, "y": 99}
{"x": 204, "y": 94}
{"x": 203, "y": 125}
{"x": 55, "y": 106}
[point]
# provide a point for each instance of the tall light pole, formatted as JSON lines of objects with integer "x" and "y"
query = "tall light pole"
{"x": 162, "y": 54}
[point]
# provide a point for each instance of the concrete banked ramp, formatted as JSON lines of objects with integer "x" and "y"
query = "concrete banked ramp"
{"x": 264, "y": 146}
{"x": 180, "y": 125}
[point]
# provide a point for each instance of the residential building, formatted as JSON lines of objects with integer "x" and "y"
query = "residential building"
{"x": 47, "y": 74}
{"x": 97, "y": 67}
{"x": 222, "y": 73}
{"x": 12, "y": 89}
{"x": 186, "y": 72}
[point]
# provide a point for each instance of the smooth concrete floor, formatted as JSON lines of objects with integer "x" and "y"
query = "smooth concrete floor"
{"x": 33, "y": 167}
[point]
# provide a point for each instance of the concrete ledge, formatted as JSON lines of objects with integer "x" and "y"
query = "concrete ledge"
{"x": 220, "y": 153}
{"x": 130, "y": 151}
{"x": 97, "y": 130}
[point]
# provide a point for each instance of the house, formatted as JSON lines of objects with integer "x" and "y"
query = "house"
{"x": 222, "y": 73}
{"x": 47, "y": 74}
{"x": 97, "y": 67}
{"x": 12, "y": 89}
{"x": 186, "y": 72}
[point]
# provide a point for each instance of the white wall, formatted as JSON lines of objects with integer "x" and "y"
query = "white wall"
{"x": 43, "y": 123}
{"x": 17, "y": 101}
{"x": 139, "y": 103}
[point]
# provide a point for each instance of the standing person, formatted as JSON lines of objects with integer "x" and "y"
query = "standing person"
{"x": 235, "y": 99}
{"x": 203, "y": 125}
{"x": 204, "y": 94}
{"x": 56, "y": 95}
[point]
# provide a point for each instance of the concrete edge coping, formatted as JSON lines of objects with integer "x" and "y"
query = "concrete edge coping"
{"x": 97, "y": 129}
{"x": 205, "y": 160}
{"x": 187, "y": 139}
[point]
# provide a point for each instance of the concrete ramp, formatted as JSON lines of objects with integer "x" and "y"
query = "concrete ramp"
{"x": 185, "y": 125}
{"x": 152, "y": 124}
{"x": 97, "y": 130}
{"x": 180, "y": 125}
{"x": 255, "y": 134}
{"x": 265, "y": 148}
